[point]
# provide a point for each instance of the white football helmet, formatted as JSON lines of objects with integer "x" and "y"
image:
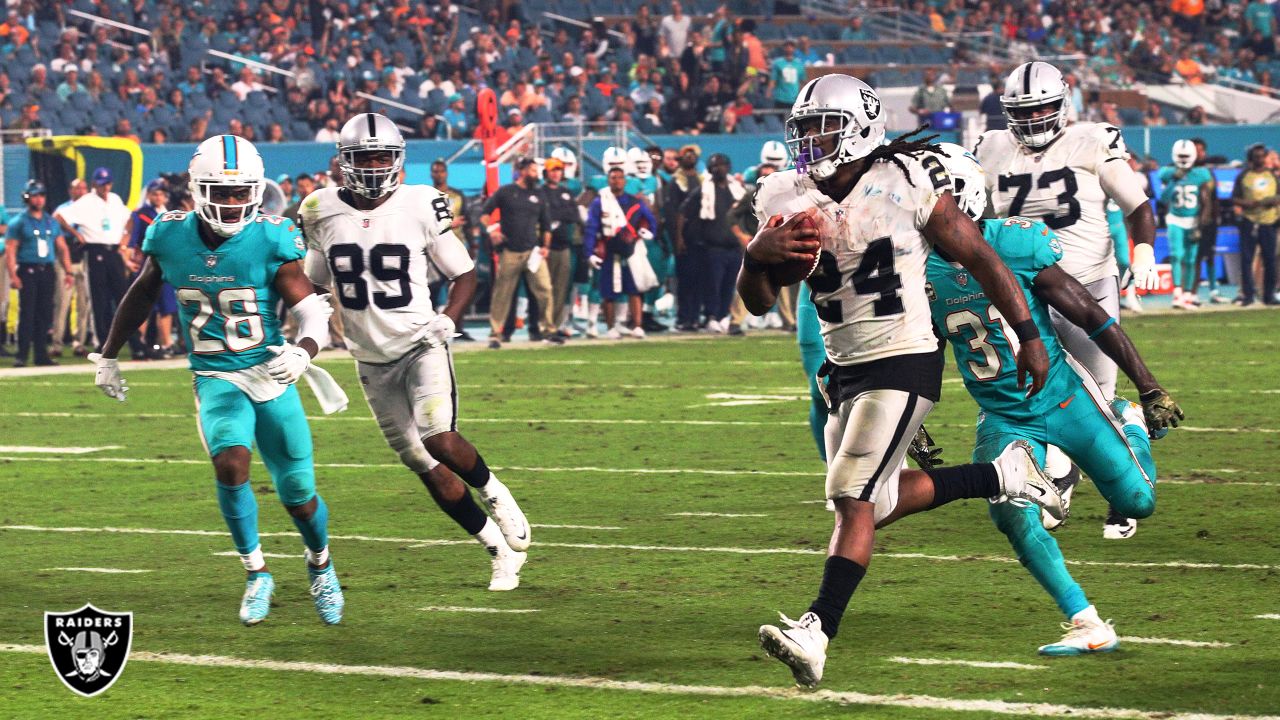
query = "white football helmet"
{"x": 226, "y": 161}
{"x": 968, "y": 180}
{"x": 640, "y": 162}
{"x": 773, "y": 153}
{"x": 1031, "y": 89}
{"x": 835, "y": 105}
{"x": 370, "y": 132}
{"x": 1184, "y": 154}
{"x": 614, "y": 157}
{"x": 566, "y": 156}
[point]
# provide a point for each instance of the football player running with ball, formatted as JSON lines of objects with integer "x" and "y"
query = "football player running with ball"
{"x": 1107, "y": 438}
{"x": 879, "y": 208}
{"x": 371, "y": 239}
{"x": 231, "y": 266}
{"x": 1062, "y": 175}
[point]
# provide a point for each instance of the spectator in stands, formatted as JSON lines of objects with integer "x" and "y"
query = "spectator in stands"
{"x": 992, "y": 109}
{"x": 1152, "y": 117}
{"x": 28, "y": 120}
{"x": 854, "y": 30}
{"x": 1188, "y": 68}
{"x": 198, "y": 129}
{"x": 674, "y": 30}
{"x": 456, "y": 117}
{"x": 193, "y": 83}
{"x": 693, "y": 61}
{"x": 711, "y": 102}
{"x": 757, "y": 59}
{"x": 124, "y": 129}
{"x": 524, "y": 229}
{"x": 1111, "y": 114}
{"x": 1196, "y": 116}
{"x": 682, "y": 108}
{"x": 573, "y": 111}
{"x": 70, "y": 84}
{"x": 705, "y": 212}
{"x": 328, "y": 133}
{"x": 33, "y": 242}
{"x": 787, "y": 75}
{"x": 1260, "y": 24}
{"x": 930, "y": 97}
{"x": 806, "y": 53}
{"x": 431, "y": 127}
{"x": 275, "y": 133}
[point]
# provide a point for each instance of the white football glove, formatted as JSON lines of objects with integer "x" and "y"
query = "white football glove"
{"x": 645, "y": 234}
{"x": 1143, "y": 267}
{"x": 438, "y": 331}
{"x": 107, "y": 377}
{"x": 595, "y": 261}
{"x": 289, "y": 363}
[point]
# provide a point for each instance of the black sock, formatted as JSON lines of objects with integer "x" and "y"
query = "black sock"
{"x": 964, "y": 481}
{"x": 478, "y": 475}
{"x": 839, "y": 580}
{"x": 464, "y": 510}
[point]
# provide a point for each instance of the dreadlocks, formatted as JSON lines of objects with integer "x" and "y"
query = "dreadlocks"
{"x": 905, "y": 145}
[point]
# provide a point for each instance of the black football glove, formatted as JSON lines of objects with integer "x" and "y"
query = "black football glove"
{"x": 1160, "y": 411}
{"x": 923, "y": 451}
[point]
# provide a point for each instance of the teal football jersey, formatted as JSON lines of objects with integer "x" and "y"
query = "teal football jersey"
{"x": 1182, "y": 195}
{"x": 226, "y": 297}
{"x": 983, "y": 344}
{"x": 600, "y": 182}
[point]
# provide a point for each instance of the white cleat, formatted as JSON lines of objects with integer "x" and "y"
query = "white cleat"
{"x": 1131, "y": 301}
{"x": 506, "y": 570}
{"x": 802, "y": 646}
{"x": 1119, "y": 527}
{"x": 637, "y": 333}
{"x": 613, "y": 334}
{"x": 1067, "y": 485}
{"x": 1021, "y": 479}
{"x": 1084, "y": 636}
{"x": 506, "y": 513}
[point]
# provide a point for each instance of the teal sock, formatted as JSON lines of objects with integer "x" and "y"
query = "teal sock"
{"x": 1039, "y": 554}
{"x": 240, "y": 510}
{"x": 315, "y": 530}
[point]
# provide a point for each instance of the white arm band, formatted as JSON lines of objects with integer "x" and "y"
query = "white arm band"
{"x": 312, "y": 315}
{"x": 1143, "y": 255}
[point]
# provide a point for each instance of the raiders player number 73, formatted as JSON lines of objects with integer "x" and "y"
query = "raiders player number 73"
{"x": 1062, "y": 175}
{"x": 879, "y": 209}
{"x": 370, "y": 240}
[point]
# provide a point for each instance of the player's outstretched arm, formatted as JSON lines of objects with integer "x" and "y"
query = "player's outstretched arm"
{"x": 953, "y": 232}
{"x": 134, "y": 308}
{"x": 1066, "y": 295}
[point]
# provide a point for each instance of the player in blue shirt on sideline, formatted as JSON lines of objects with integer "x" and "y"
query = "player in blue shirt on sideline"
{"x": 231, "y": 266}
{"x": 1108, "y": 440}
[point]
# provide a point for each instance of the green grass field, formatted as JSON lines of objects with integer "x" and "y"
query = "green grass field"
{"x": 637, "y": 611}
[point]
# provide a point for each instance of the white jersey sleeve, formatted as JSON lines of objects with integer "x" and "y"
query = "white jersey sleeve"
{"x": 446, "y": 251}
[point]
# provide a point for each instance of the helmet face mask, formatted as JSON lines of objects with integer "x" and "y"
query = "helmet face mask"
{"x": 371, "y": 155}
{"x": 835, "y": 120}
{"x": 226, "y": 183}
{"x": 1034, "y": 103}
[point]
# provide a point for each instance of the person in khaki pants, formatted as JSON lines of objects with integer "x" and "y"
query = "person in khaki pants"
{"x": 525, "y": 229}
{"x": 79, "y": 290}
{"x": 565, "y": 222}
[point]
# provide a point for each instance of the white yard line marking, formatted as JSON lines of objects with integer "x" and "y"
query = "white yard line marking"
{"x": 108, "y": 571}
{"x": 1268, "y": 616}
{"x": 967, "y": 663}
{"x": 426, "y": 542}
{"x": 234, "y": 554}
{"x": 817, "y": 473}
{"x": 78, "y": 383}
{"x": 578, "y": 527}
{"x": 716, "y": 514}
{"x": 452, "y": 609}
{"x": 920, "y": 702}
{"x": 1169, "y": 641}
{"x": 56, "y": 450}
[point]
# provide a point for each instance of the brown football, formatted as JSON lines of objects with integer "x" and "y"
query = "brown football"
{"x": 794, "y": 271}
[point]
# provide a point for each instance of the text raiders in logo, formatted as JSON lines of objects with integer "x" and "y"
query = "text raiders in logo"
{"x": 871, "y": 104}
{"x": 88, "y": 647}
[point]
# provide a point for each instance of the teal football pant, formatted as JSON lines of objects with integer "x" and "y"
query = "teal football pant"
{"x": 812, "y": 355}
{"x": 1117, "y": 458}
{"x": 1182, "y": 256}
{"x": 228, "y": 418}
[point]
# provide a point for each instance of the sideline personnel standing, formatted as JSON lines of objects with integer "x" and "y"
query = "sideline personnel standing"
{"x": 32, "y": 238}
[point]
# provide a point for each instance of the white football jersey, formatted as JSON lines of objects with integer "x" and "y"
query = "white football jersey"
{"x": 869, "y": 287}
{"x": 376, "y": 262}
{"x": 1066, "y": 187}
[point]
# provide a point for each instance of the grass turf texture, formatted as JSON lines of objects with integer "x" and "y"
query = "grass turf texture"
{"x": 637, "y": 613}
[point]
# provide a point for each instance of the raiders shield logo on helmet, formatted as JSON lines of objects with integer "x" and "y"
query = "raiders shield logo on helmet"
{"x": 871, "y": 104}
{"x": 88, "y": 647}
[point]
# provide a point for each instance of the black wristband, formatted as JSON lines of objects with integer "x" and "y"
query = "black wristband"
{"x": 752, "y": 265}
{"x": 1026, "y": 330}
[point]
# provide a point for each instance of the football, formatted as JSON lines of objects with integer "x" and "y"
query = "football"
{"x": 794, "y": 271}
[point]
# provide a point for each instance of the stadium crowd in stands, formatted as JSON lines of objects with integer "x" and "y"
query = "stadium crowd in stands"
{"x": 305, "y": 67}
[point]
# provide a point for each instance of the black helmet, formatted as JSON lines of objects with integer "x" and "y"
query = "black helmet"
{"x": 33, "y": 187}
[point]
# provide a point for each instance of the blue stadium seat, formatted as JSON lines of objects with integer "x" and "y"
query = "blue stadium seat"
{"x": 301, "y": 130}
{"x": 80, "y": 101}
